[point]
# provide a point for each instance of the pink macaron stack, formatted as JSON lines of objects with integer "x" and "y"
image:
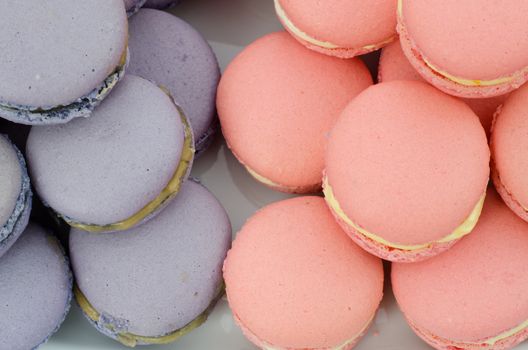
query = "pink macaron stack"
{"x": 421, "y": 163}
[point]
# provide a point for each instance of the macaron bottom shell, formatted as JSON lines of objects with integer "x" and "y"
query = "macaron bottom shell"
{"x": 505, "y": 341}
{"x": 348, "y": 345}
{"x": 167, "y": 194}
{"x": 398, "y": 253}
{"x": 282, "y": 188}
{"x": 82, "y": 107}
{"x": 325, "y": 47}
{"x": 507, "y": 196}
{"x": 450, "y": 84}
{"x": 18, "y": 221}
{"x": 111, "y": 326}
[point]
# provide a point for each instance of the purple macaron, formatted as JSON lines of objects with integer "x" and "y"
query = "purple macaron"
{"x": 161, "y": 4}
{"x": 119, "y": 167}
{"x": 59, "y": 59}
{"x": 132, "y": 6}
{"x": 15, "y": 194}
{"x": 156, "y": 282}
{"x": 170, "y": 52}
{"x": 35, "y": 291}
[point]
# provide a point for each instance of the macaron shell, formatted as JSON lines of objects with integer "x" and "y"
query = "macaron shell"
{"x": 170, "y": 267}
{"x": 10, "y": 179}
{"x": 170, "y": 52}
{"x": 132, "y": 6}
{"x": 35, "y": 290}
{"x": 88, "y": 40}
{"x": 482, "y": 275}
{"x": 344, "y": 23}
{"x": 394, "y": 65}
{"x": 278, "y": 272}
{"x": 131, "y": 147}
{"x": 508, "y": 144}
{"x": 461, "y": 37}
{"x": 391, "y": 152}
{"x": 277, "y": 101}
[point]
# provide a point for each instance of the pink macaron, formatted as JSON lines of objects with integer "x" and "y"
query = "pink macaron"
{"x": 394, "y": 65}
{"x": 295, "y": 281}
{"x": 471, "y": 48}
{"x": 473, "y": 296}
{"x": 277, "y": 102}
{"x": 407, "y": 168}
{"x": 509, "y": 143}
{"x": 342, "y": 28}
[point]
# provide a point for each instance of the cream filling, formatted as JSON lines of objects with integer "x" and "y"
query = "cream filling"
{"x": 306, "y": 37}
{"x": 340, "y": 347}
{"x": 131, "y": 340}
{"x": 261, "y": 178}
{"x": 459, "y": 80}
{"x": 465, "y": 228}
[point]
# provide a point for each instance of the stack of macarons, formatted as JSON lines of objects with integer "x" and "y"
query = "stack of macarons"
{"x": 119, "y": 107}
{"x": 399, "y": 162}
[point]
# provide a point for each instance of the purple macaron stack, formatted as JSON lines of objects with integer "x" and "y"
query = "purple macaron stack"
{"x": 118, "y": 108}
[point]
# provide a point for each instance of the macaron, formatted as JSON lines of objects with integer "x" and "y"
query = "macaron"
{"x": 277, "y": 102}
{"x": 132, "y": 6}
{"x": 36, "y": 290}
{"x": 474, "y": 295}
{"x": 407, "y": 168}
{"x": 295, "y": 281}
{"x": 508, "y": 145}
{"x": 170, "y": 52}
{"x": 15, "y": 194}
{"x": 117, "y": 168}
{"x": 394, "y": 65}
{"x": 156, "y": 282}
{"x": 161, "y": 4}
{"x": 456, "y": 45}
{"x": 342, "y": 28}
{"x": 55, "y": 70}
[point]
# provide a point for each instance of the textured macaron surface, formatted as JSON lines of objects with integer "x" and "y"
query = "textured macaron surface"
{"x": 477, "y": 289}
{"x": 394, "y": 65}
{"x": 156, "y": 278}
{"x": 35, "y": 291}
{"x": 395, "y": 155}
{"x": 10, "y": 179}
{"x": 106, "y": 168}
{"x": 54, "y": 52}
{"x": 168, "y": 51}
{"x": 295, "y": 280}
{"x": 462, "y": 37}
{"x": 509, "y": 142}
{"x": 344, "y": 23}
{"x": 277, "y": 101}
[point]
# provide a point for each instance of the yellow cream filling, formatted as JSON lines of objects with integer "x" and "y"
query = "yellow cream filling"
{"x": 461, "y": 231}
{"x": 261, "y": 178}
{"x": 304, "y": 36}
{"x": 459, "y": 80}
{"x": 131, "y": 340}
{"x": 169, "y": 191}
{"x": 342, "y": 346}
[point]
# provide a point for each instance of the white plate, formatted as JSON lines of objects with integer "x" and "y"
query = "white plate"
{"x": 230, "y": 25}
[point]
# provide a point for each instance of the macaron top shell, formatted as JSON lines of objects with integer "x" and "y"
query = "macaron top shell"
{"x": 10, "y": 180}
{"x": 106, "y": 168}
{"x": 461, "y": 37}
{"x": 394, "y": 155}
{"x": 170, "y": 52}
{"x": 35, "y": 290}
{"x": 156, "y": 278}
{"x": 296, "y": 280}
{"x": 509, "y": 143}
{"x": 344, "y": 23}
{"x": 277, "y": 101}
{"x": 477, "y": 289}
{"x": 58, "y": 51}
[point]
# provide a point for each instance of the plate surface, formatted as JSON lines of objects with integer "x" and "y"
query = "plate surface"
{"x": 229, "y": 25}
